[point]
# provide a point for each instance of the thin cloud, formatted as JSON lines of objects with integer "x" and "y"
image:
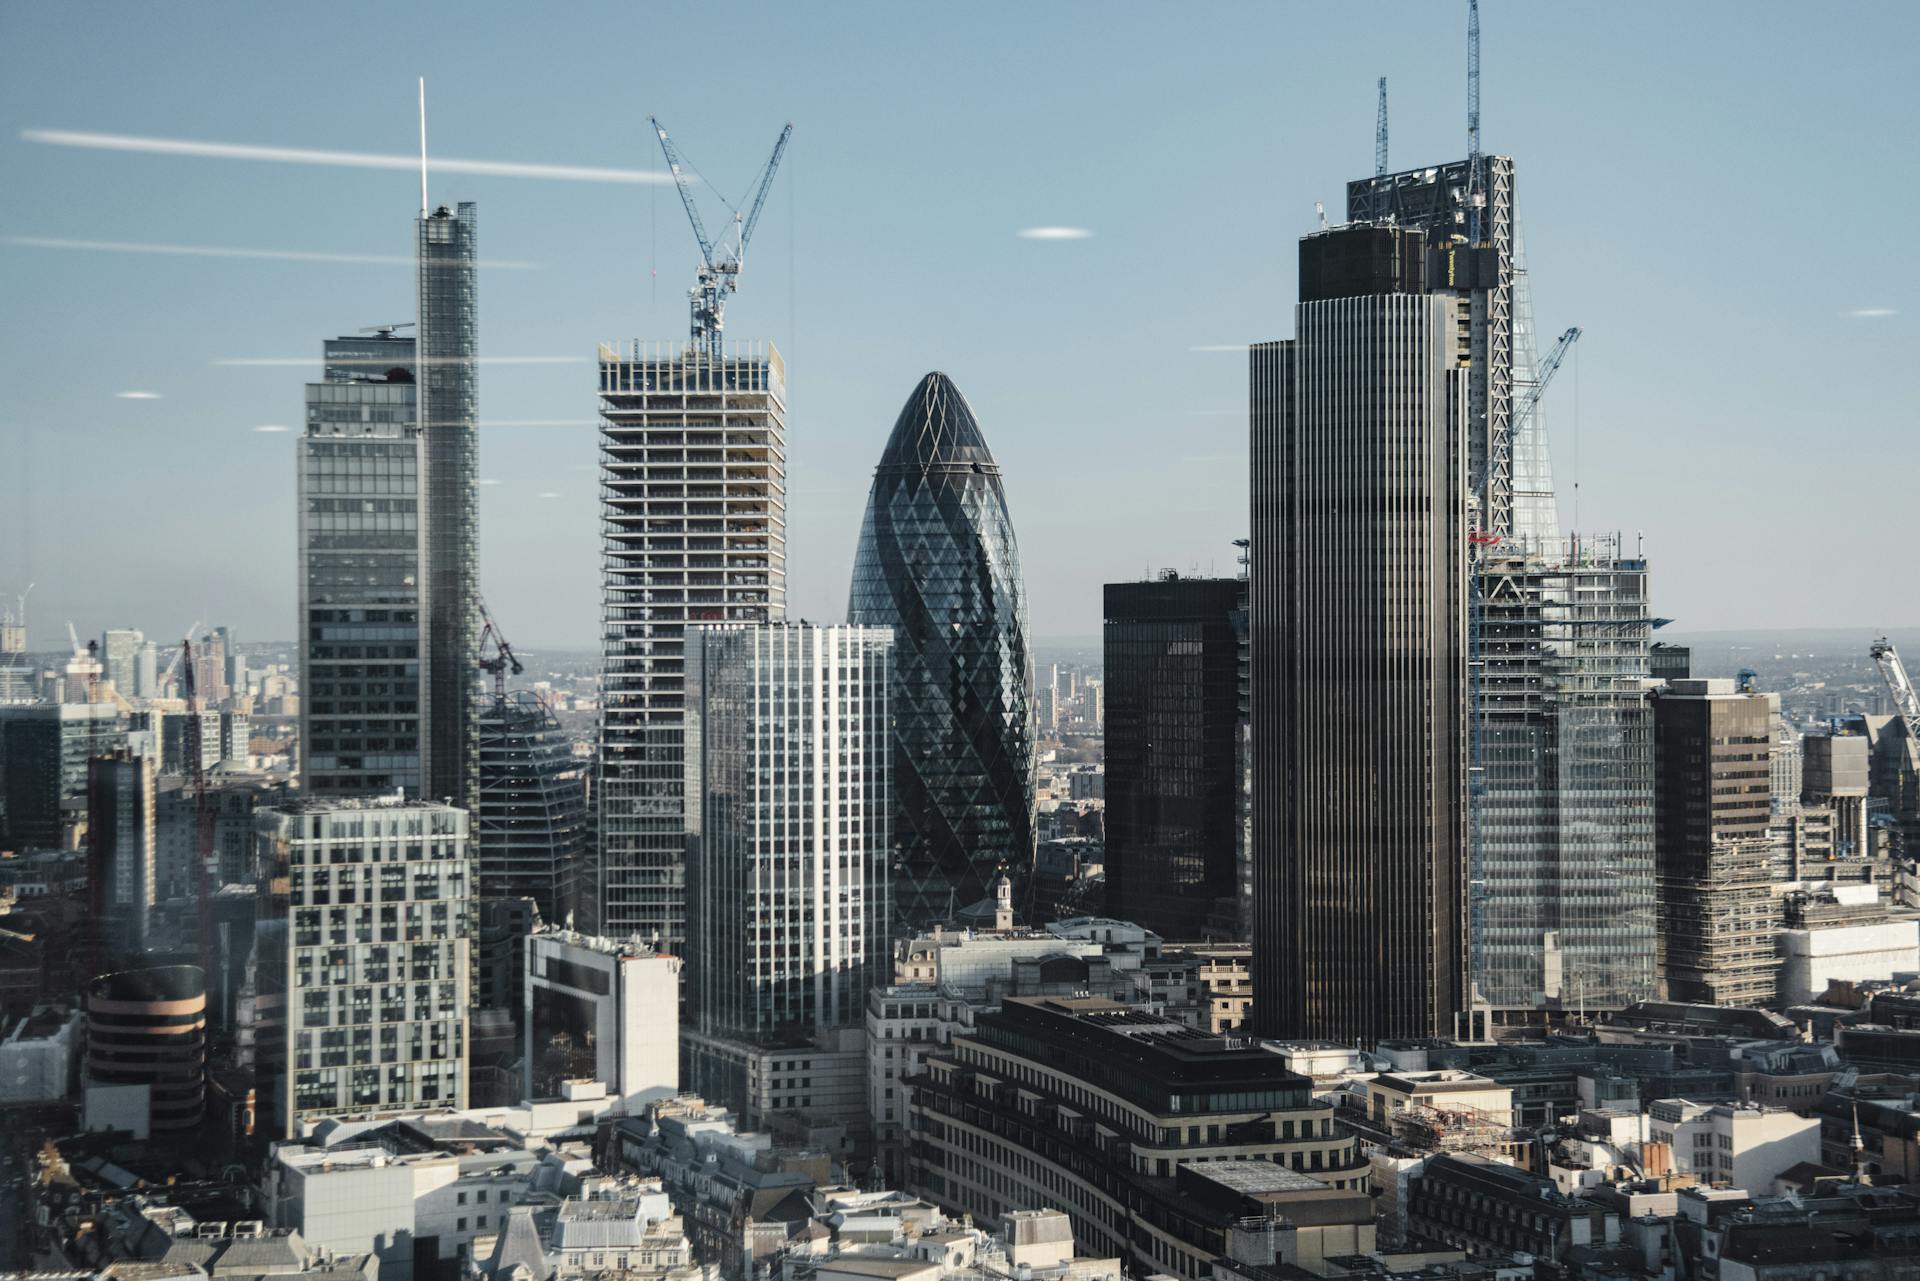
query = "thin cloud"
{"x": 540, "y": 422}
{"x": 338, "y": 159}
{"x": 1219, "y": 346}
{"x": 136, "y": 395}
{"x": 1873, "y": 313}
{"x": 1053, "y": 233}
{"x": 297, "y": 362}
{"x": 548, "y": 493}
{"x": 490, "y": 481}
{"x": 225, "y": 251}
{"x": 272, "y": 427}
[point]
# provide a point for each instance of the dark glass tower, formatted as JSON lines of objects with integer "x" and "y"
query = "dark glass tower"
{"x": 938, "y": 563}
{"x": 1172, "y": 669}
{"x": 449, "y": 417}
{"x": 1358, "y": 616}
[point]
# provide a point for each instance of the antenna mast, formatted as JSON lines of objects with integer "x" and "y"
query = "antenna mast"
{"x": 423, "y": 146}
{"x": 1475, "y": 197}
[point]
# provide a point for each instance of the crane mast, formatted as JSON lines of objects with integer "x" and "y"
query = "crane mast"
{"x": 1475, "y": 196}
{"x": 1905, "y": 701}
{"x": 1380, "y": 134}
{"x": 720, "y": 261}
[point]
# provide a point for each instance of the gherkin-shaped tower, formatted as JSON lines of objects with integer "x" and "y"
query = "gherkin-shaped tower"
{"x": 938, "y": 563}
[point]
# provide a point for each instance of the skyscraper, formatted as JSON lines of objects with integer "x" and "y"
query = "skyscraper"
{"x": 938, "y": 563}
{"x": 530, "y": 828}
{"x": 693, "y": 483}
{"x": 362, "y": 652}
{"x": 1172, "y": 664}
{"x": 1358, "y": 608}
{"x": 450, "y": 478}
{"x": 1563, "y": 911}
{"x": 788, "y": 806}
{"x": 119, "y": 655}
{"x": 364, "y": 945}
{"x": 1718, "y": 914}
{"x": 44, "y": 750}
{"x": 122, "y": 852}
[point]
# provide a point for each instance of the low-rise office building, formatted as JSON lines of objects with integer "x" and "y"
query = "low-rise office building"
{"x": 1093, "y": 1106}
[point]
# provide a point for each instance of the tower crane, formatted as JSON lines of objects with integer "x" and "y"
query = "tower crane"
{"x": 185, "y": 651}
{"x": 1905, "y": 701}
{"x": 503, "y": 660}
{"x": 720, "y": 261}
{"x": 1531, "y": 401}
{"x": 1380, "y": 134}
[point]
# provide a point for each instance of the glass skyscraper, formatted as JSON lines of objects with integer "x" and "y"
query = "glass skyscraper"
{"x": 938, "y": 563}
{"x": 788, "y": 805}
{"x": 361, "y": 595}
{"x": 450, "y": 473}
{"x": 1358, "y": 611}
{"x": 1563, "y": 911}
{"x": 1172, "y": 650}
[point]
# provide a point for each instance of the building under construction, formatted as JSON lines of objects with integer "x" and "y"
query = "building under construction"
{"x": 1563, "y": 899}
{"x": 693, "y": 484}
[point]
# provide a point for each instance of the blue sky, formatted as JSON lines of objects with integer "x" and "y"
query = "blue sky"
{"x": 1714, "y": 191}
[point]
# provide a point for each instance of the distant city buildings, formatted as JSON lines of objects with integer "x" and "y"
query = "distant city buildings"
{"x": 938, "y": 563}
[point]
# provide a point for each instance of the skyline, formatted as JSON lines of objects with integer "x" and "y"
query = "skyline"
{"x": 888, "y": 256}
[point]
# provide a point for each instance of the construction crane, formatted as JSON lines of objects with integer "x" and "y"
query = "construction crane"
{"x": 503, "y": 659}
{"x": 174, "y": 663}
{"x": 721, "y": 261}
{"x": 1380, "y": 134}
{"x": 1905, "y": 701}
{"x": 1544, "y": 375}
{"x": 1475, "y": 196}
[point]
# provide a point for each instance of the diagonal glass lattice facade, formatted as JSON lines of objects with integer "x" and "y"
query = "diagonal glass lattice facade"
{"x": 938, "y": 563}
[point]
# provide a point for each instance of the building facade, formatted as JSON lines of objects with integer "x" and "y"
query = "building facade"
{"x": 789, "y": 802}
{"x": 1094, "y": 1108}
{"x": 364, "y": 944}
{"x": 937, "y": 562}
{"x": 44, "y": 750}
{"x": 1358, "y": 619}
{"x": 693, "y": 485}
{"x": 148, "y": 1027}
{"x": 1715, "y": 866}
{"x": 1562, "y": 912}
{"x": 602, "y": 1010}
{"x": 1172, "y": 650}
{"x": 530, "y": 830}
{"x": 119, "y": 656}
{"x": 362, "y": 653}
{"x": 449, "y": 418}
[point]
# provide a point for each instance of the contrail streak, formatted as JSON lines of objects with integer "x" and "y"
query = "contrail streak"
{"x": 220, "y": 251}
{"x": 296, "y": 362}
{"x": 345, "y": 159}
